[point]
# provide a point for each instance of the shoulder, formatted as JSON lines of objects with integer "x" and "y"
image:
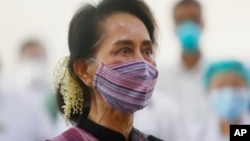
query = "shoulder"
{"x": 140, "y": 136}
{"x": 73, "y": 134}
{"x": 152, "y": 138}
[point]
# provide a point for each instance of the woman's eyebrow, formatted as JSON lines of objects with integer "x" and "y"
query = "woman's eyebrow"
{"x": 147, "y": 43}
{"x": 123, "y": 42}
{"x": 130, "y": 42}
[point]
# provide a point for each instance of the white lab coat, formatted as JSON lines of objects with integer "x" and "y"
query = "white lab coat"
{"x": 33, "y": 84}
{"x": 210, "y": 131}
{"x": 20, "y": 120}
{"x": 160, "y": 118}
{"x": 186, "y": 88}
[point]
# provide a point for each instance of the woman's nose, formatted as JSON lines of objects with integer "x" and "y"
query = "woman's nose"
{"x": 138, "y": 56}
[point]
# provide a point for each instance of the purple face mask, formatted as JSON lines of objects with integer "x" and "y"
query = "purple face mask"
{"x": 127, "y": 87}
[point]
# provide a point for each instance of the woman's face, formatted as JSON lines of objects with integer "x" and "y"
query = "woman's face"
{"x": 227, "y": 79}
{"x": 124, "y": 38}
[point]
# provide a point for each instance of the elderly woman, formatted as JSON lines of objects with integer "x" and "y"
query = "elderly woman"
{"x": 110, "y": 73}
{"x": 227, "y": 83}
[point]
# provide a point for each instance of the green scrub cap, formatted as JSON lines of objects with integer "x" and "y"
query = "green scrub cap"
{"x": 225, "y": 66}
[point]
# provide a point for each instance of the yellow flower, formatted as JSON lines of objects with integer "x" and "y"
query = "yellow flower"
{"x": 69, "y": 88}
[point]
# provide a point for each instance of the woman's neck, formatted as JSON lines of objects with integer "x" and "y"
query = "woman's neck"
{"x": 103, "y": 114}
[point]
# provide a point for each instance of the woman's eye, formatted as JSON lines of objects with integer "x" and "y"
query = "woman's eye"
{"x": 125, "y": 50}
{"x": 148, "y": 51}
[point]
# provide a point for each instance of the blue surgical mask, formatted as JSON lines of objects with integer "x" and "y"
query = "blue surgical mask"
{"x": 188, "y": 33}
{"x": 229, "y": 103}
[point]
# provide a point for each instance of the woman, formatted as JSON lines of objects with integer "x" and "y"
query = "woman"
{"x": 227, "y": 83}
{"x": 110, "y": 73}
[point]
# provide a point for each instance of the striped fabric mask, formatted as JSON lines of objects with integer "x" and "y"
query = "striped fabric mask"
{"x": 127, "y": 87}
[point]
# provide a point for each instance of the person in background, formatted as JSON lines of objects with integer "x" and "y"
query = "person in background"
{"x": 32, "y": 78}
{"x": 183, "y": 82}
{"x": 110, "y": 73}
{"x": 1, "y": 76}
{"x": 33, "y": 82}
{"x": 248, "y": 70}
{"x": 227, "y": 84}
{"x": 19, "y": 119}
{"x": 32, "y": 67}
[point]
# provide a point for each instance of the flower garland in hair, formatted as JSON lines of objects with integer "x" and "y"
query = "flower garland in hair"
{"x": 69, "y": 88}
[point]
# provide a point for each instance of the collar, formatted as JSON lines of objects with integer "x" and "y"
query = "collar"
{"x": 102, "y": 133}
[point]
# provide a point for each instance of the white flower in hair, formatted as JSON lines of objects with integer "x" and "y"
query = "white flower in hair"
{"x": 69, "y": 88}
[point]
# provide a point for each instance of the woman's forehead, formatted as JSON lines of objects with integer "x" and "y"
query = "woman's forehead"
{"x": 124, "y": 22}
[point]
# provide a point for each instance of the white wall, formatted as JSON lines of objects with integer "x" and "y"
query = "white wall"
{"x": 226, "y": 34}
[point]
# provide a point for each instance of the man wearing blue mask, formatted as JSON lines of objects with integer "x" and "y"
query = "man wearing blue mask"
{"x": 188, "y": 27}
{"x": 183, "y": 81}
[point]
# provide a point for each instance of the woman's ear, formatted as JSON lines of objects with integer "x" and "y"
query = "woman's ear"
{"x": 84, "y": 72}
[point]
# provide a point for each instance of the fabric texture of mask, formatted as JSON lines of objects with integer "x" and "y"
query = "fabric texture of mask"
{"x": 188, "y": 33}
{"x": 127, "y": 87}
{"x": 230, "y": 103}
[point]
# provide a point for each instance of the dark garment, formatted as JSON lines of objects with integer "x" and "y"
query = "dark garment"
{"x": 87, "y": 130}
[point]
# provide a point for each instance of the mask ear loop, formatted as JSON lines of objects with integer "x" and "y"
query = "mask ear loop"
{"x": 92, "y": 59}
{"x": 96, "y": 66}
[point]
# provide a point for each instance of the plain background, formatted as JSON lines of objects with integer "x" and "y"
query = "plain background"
{"x": 226, "y": 32}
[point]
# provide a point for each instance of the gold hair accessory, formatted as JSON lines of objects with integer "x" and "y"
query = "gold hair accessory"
{"x": 69, "y": 88}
